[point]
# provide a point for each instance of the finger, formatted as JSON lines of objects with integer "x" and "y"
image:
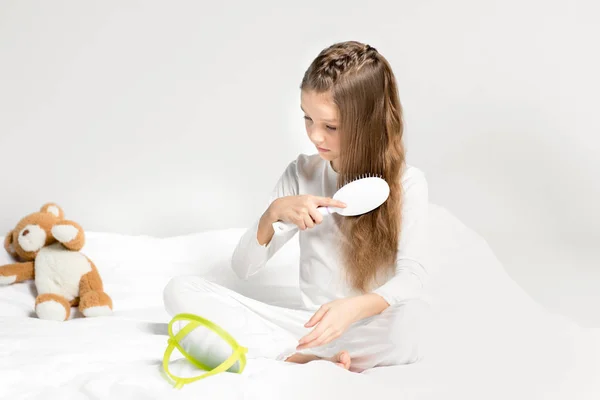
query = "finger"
{"x": 316, "y": 215}
{"x": 316, "y": 317}
{"x": 326, "y": 338}
{"x": 328, "y": 201}
{"x": 316, "y": 342}
{"x": 308, "y": 221}
{"x": 300, "y": 223}
{"x": 315, "y": 333}
{"x": 298, "y": 219}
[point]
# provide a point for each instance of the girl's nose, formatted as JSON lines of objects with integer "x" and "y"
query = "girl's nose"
{"x": 316, "y": 137}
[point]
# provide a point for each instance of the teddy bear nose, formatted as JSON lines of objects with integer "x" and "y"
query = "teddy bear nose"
{"x": 26, "y": 232}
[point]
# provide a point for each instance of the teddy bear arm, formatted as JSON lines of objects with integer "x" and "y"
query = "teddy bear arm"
{"x": 13, "y": 273}
{"x": 70, "y": 234}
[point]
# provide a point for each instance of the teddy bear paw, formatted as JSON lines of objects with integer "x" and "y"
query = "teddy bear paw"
{"x": 64, "y": 233}
{"x": 7, "y": 280}
{"x": 95, "y": 304}
{"x": 51, "y": 310}
{"x": 97, "y": 311}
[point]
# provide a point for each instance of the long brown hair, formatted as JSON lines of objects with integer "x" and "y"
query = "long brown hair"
{"x": 364, "y": 89}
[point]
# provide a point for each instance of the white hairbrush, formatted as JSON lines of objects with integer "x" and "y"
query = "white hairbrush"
{"x": 360, "y": 196}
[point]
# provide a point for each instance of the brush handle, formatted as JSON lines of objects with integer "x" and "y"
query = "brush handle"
{"x": 281, "y": 227}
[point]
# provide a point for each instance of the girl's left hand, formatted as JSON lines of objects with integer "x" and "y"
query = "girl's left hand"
{"x": 333, "y": 319}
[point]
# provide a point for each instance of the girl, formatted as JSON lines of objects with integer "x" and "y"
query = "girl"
{"x": 361, "y": 278}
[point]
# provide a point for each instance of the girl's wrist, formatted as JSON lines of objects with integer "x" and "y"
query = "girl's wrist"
{"x": 265, "y": 226}
{"x": 370, "y": 304}
{"x": 270, "y": 215}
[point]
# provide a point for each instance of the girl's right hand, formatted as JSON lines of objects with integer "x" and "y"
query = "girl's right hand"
{"x": 301, "y": 210}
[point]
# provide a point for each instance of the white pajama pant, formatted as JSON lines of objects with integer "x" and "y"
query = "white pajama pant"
{"x": 268, "y": 331}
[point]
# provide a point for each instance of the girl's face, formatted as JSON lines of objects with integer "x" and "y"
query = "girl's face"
{"x": 322, "y": 120}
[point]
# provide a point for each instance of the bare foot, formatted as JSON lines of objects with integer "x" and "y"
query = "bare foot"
{"x": 341, "y": 359}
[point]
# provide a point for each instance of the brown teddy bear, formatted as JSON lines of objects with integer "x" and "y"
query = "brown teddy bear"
{"x": 48, "y": 246}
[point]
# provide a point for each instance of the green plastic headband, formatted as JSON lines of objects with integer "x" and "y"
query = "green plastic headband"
{"x": 239, "y": 352}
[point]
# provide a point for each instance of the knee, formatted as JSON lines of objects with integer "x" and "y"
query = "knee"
{"x": 175, "y": 286}
{"x": 171, "y": 293}
{"x": 177, "y": 289}
{"x": 409, "y": 324}
{"x": 180, "y": 284}
{"x": 405, "y": 352}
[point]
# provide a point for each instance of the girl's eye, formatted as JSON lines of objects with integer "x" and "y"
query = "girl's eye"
{"x": 307, "y": 118}
{"x": 331, "y": 128}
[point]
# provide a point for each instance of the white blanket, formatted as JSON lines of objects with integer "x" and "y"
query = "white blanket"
{"x": 488, "y": 339}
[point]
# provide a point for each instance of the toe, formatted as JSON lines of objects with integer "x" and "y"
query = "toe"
{"x": 344, "y": 359}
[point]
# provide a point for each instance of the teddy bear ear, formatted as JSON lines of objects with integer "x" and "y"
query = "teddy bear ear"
{"x": 8, "y": 244}
{"x": 53, "y": 209}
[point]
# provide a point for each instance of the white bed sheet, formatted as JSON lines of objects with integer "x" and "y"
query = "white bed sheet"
{"x": 488, "y": 339}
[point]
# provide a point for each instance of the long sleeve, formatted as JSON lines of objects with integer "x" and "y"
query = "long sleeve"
{"x": 411, "y": 273}
{"x": 249, "y": 256}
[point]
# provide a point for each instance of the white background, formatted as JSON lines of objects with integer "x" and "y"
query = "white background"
{"x": 165, "y": 118}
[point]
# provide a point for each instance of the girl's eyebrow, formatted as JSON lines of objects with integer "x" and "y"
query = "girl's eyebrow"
{"x": 333, "y": 121}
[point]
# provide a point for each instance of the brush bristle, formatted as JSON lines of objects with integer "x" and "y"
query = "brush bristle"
{"x": 361, "y": 176}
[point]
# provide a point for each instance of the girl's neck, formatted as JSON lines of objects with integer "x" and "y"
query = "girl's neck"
{"x": 334, "y": 165}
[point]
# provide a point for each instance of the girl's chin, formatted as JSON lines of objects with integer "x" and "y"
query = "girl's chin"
{"x": 327, "y": 155}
